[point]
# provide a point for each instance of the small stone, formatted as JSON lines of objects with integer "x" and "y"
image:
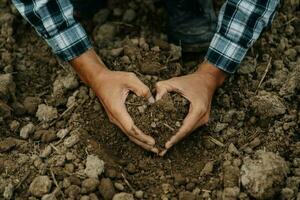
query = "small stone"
{"x": 5, "y": 110}
{"x": 46, "y": 113}
{"x": 101, "y": 16}
{"x": 72, "y": 140}
{"x": 48, "y": 136}
{"x": 153, "y": 124}
{"x": 7, "y": 144}
{"x": 18, "y": 108}
{"x": 111, "y": 173}
{"x": 129, "y": 15}
{"x": 49, "y": 197}
{"x": 31, "y": 104}
{"x": 220, "y": 126}
{"x": 267, "y": 105}
{"x": 14, "y": 125}
{"x": 62, "y": 133}
{"x": 179, "y": 179}
{"x": 119, "y": 186}
{"x": 231, "y": 193}
{"x": 117, "y": 12}
{"x": 73, "y": 191}
{"x": 190, "y": 186}
{"x": 27, "y": 130}
{"x": 131, "y": 168}
{"x": 46, "y": 152}
{"x": 291, "y": 54}
{"x": 70, "y": 156}
{"x": 287, "y": 194}
{"x": 233, "y": 150}
{"x": 8, "y": 191}
{"x": 7, "y": 86}
{"x": 123, "y": 196}
{"x": 90, "y": 184}
{"x": 105, "y": 32}
{"x": 40, "y": 186}
{"x": 139, "y": 194}
{"x": 106, "y": 189}
{"x": 207, "y": 169}
{"x": 116, "y": 52}
{"x": 263, "y": 176}
{"x": 94, "y": 166}
{"x": 151, "y": 68}
{"x": 141, "y": 109}
{"x": 125, "y": 60}
{"x": 85, "y": 197}
{"x": 187, "y": 196}
{"x": 93, "y": 196}
{"x": 57, "y": 160}
{"x": 69, "y": 167}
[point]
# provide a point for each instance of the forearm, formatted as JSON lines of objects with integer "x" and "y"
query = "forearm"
{"x": 240, "y": 23}
{"x": 88, "y": 66}
{"x": 54, "y": 22}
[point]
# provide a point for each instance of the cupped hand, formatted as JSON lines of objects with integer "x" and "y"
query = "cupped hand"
{"x": 112, "y": 88}
{"x": 198, "y": 88}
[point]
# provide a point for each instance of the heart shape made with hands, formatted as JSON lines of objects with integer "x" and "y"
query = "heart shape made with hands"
{"x": 161, "y": 119}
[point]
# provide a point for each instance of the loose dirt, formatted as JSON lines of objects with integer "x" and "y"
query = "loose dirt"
{"x": 56, "y": 141}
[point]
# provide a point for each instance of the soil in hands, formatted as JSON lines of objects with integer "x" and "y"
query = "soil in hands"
{"x": 161, "y": 119}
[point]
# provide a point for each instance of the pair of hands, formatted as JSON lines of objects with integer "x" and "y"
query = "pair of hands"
{"x": 112, "y": 88}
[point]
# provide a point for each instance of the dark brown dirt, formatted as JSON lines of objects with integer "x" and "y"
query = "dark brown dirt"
{"x": 161, "y": 119}
{"x": 206, "y": 165}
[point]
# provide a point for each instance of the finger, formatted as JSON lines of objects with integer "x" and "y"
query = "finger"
{"x": 187, "y": 127}
{"x": 161, "y": 89}
{"x": 163, "y": 152}
{"x": 143, "y": 145}
{"x": 140, "y": 89}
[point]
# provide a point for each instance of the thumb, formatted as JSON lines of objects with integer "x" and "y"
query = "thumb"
{"x": 161, "y": 89}
{"x": 141, "y": 90}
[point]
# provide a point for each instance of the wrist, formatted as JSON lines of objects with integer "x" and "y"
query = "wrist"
{"x": 88, "y": 66}
{"x": 217, "y": 75}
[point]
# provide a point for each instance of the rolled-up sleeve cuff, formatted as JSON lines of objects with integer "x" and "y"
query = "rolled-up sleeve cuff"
{"x": 70, "y": 43}
{"x": 225, "y": 54}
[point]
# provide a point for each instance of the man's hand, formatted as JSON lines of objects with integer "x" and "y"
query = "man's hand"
{"x": 112, "y": 88}
{"x": 198, "y": 88}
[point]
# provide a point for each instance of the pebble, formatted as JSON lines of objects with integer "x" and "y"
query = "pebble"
{"x": 70, "y": 156}
{"x": 119, "y": 186}
{"x": 84, "y": 197}
{"x": 101, "y": 16}
{"x": 230, "y": 193}
{"x": 5, "y": 110}
{"x": 93, "y": 196}
{"x": 48, "y": 136}
{"x": 106, "y": 189}
{"x": 287, "y": 194}
{"x": 90, "y": 184}
{"x": 261, "y": 177}
{"x": 207, "y": 169}
{"x": 69, "y": 167}
{"x": 14, "y": 125}
{"x": 179, "y": 179}
{"x": 46, "y": 152}
{"x": 31, "y": 104}
{"x": 49, "y": 197}
{"x": 125, "y": 60}
{"x": 190, "y": 186}
{"x": 111, "y": 173}
{"x": 131, "y": 168}
{"x": 116, "y": 52}
{"x": 62, "y": 133}
{"x": 72, "y": 140}
{"x": 40, "y": 186}
{"x": 187, "y": 196}
{"x": 220, "y": 126}
{"x": 7, "y": 86}
{"x": 46, "y": 113}
{"x": 8, "y": 191}
{"x": 27, "y": 130}
{"x": 105, "y": 32}
{"x": 73, "y": 191}
{"x": 233, "y": 150}
{"x": 129, "y": 15}
{"x": 123, "y": 196}
{"x": 7, "y": 144}
{"x": 58, "y": 160}
{"x": 94, "y": 166}
{"x": 139, "y": 194}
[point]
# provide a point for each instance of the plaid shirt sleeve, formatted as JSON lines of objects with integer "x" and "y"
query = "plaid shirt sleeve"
{"x": 54, "y": 21}
{"x": 240, "y": 23}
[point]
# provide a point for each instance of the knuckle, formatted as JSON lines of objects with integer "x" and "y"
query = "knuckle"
{"x": 131, "y": 75}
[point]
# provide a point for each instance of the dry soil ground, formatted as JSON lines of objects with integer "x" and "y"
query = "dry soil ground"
{"x": 56, "y": 141}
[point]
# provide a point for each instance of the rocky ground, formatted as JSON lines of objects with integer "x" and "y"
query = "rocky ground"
{"x": 56, "y": 141}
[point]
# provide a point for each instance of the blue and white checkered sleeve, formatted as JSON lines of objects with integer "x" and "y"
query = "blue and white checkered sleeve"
{"x": 240, "y": 23}
{"x": 54, "y": 21}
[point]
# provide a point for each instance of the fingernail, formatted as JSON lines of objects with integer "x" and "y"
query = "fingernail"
{"x": 151, "y": 99}
{"x": 163, "y": 153}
